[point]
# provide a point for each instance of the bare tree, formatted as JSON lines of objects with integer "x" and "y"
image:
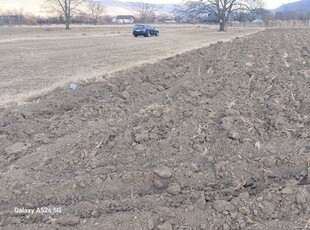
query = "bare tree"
{"x": 222, "y": 9}
{"x": 145, "y": 10}
{"x": 183, "y": 14}
{"x": 95, "y": 10}
{"x": 66, "y": 8}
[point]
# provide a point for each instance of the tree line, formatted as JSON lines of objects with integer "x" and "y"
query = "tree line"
{"x": 94, "y": 9}
{"x": 68, "y": 8}
{"x": 222, "y": 11}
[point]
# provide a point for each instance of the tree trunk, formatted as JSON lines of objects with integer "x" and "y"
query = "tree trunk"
{"x": 222, "y": 25}
{"x": 67, "y": 11}
{"x": 67, "y": 25}
{"x": 222, "y": 21}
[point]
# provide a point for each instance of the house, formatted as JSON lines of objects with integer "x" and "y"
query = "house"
{"x": 211, "y": 19}
{"x": 124, "y": 19}
{"x": 170, "y": 21}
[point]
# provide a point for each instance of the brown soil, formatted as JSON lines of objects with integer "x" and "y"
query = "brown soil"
{"x": 216, "y": 138}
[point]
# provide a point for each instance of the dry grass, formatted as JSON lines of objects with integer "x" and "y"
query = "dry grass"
{"x": 35, "y": 60}
{"x": 8, "y": 99}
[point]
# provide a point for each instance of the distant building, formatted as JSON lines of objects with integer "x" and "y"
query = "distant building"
{"x": 211, "y": 19}
{"x": 169, "y": 21}
{"x": 124, "y": 19}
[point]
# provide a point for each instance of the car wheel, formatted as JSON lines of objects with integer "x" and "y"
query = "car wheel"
{"x": 157, "y": 33}
{"x": 148, "y": 34}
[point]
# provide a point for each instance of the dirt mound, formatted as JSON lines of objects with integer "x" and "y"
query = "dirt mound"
{"x": 217, "y": 138}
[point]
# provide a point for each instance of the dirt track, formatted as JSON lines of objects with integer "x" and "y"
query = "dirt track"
{"x": 34, "y": 60}
{"x": 216, "y": 138}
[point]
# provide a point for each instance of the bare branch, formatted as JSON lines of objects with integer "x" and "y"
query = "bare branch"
{"x": 65, "y": 8}
{"x": 94, "y": 10}
{"x": 146, "y": 11}
{"x": 219, "y": 8}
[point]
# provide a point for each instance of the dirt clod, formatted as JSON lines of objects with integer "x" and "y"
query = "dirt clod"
{"x": 222, "y": 205}
{"x": 68, "y": 221}
{"x": 174, "y": 189}
{"x": 287, "y": 191}
{"x": 150, "y": 225}
{"x": 16, "y": 148}
{"x": 165, "y": 213}
{"x": 161, "y": 184}
{"x": 163, "y": 172}
{"x": 10, "y": 221}
{"x": 234, "y": 135}
{"x": 165, "y": 226}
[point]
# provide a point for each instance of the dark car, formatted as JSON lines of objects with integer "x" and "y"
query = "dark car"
{"x": 144, "y": 30}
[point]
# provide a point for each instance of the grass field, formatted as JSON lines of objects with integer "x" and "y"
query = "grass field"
{"x": 36, "y": 59}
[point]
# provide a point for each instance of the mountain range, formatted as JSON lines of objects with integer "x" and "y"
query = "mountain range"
{"x": 115, "y": 7}
{"x": 38, "y": 7}
{"x": 297, "y": 6}
{"x": 164, "y": 8}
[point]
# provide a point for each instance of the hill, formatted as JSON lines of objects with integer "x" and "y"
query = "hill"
{"x": 303, "y": 5}
{"x": 165, "y": 8}
{"x": 37, "y": 7}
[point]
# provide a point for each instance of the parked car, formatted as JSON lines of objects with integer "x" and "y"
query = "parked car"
{"x": 144, "y": 30}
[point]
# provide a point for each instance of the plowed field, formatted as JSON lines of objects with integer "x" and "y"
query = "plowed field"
{"x": 216, "y": 138}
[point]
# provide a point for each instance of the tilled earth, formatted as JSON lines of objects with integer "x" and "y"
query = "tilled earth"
{"x": 216, "y": 138}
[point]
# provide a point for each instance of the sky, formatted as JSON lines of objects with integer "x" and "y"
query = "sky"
{"x": 270, "y": 4}
{"x": 35, "y": 6}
